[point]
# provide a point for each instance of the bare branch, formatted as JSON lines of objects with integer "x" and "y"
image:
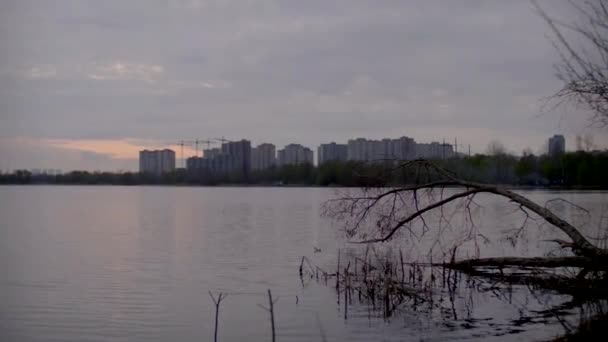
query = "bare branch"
{"x": 583, "y": 50}
{"x": 388, "y": 223}
{"x": 419, "y": 213}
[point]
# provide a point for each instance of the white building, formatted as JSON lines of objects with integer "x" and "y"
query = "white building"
{"x": 331, "y": 151}
{"x": 263, "y": 157}
{"x": 356, "y": 149}
{"x": 156, "y": 162}
{"x": 403, "y": 148}
{"x": 294, "y": 154}
{"x": 362, "y": 149}
{"x": 434, "y": 150}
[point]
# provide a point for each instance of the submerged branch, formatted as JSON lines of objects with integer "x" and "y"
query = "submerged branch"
{"x": 575, "y": 261}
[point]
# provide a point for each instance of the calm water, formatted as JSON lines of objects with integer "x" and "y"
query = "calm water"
{"x": 136, "y": 263}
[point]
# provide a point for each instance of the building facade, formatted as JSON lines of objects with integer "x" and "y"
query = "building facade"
{"x": 403, "y": 148}
{"x": 294, "y": 154}
{"x": 356, "y": 149}
{"x": 233, "y": 159}
{"x": 211, "y": 152}
{"x": 263, "y": 157}
{"x": 557, "y": 145}
{"x": 434, "y": 150}
{"x": 331, "y": 152}
{"x": 240, "y": 151}
{"x": 219, "y": 165}
{"x": 156, "y": 162}
{"x": 362, "y": 149}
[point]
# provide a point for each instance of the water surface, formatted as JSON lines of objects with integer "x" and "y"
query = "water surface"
{"x": 136, "y": 263}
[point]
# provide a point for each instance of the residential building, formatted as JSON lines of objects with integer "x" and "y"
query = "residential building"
{"x": 156, "y": 162}
{"x": 356, "y": 149}
{"x": 240, "y": 151}
{"x": 434, "y": 150}
{"x": 331, "y": 152}
{"x": 263, "y": 157}
{"x": 557, "y": 145}
{"x": 294, "y": 154}
{"x": 211, "y": 152}
{"x": 197, "y": 163}
{"x": 362, "y": 149}
{"x": 233, "y": 158}
{"x": 403, "y": 148}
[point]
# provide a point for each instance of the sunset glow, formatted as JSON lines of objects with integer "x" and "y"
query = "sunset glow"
{"x": 117, "y": 148}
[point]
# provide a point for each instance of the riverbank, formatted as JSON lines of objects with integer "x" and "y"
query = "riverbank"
{"x": 295, "y": 185}
{"x": 573, "y": 171}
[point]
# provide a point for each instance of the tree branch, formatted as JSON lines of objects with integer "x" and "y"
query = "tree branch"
{"x": 580, "y": 245}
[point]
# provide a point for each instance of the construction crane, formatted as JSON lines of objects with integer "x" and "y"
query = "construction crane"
{"x": 199, "y": 141}
{"x": 183, "y": 143}
{"x": 222, "y": 139}
{"x": 207, "y": 142}
{"x": 195, "y": 143}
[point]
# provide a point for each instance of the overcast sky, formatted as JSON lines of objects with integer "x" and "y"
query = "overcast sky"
{"x": 86, "y": 84}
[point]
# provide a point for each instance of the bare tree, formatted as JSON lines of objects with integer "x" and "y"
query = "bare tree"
{"x": 588, "y": 140}
{"x": 496, "y": 148}
{"x": 583, "y": 49}
{"x": 385, "y": 212}
{"x": 378, "y": 214}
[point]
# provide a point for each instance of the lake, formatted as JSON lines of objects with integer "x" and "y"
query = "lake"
{"x": 109, "y": 263}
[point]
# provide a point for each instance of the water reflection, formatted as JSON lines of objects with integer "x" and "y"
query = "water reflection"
{"x": 136, "y": 263}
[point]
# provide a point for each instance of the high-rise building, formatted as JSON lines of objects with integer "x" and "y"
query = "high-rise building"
{"x": 294, "y": 154}
{"x": 356, "y": 149}
{"x": 403, "y": 148}
{"x": 434, "y": 150}
{"x": 211, "y": 152}
{"x": 233, "y": 159}
{"x": 263, "y": 157}
{"x": 331, "y": 152}
{"x": 557, "y": 145}
{"x": 156, "y": 162}
{"x": 240, "y": 152}
{"x": 362, "y": 149}
{"x": 197, "y": 163}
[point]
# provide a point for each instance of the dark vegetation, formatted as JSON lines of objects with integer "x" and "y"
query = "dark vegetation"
{"x": 576, "y": 169}
{"x": 440, "y": 207}
{"x": 403, "y": 214}
{"x": 443, "y": 296}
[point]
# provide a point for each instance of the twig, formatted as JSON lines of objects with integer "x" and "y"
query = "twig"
{"x": 217, "y": 302}
{"x": 270, "y": 309}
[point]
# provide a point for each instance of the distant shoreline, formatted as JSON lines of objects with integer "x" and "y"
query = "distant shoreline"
{"x": 572, "y": 171}
{"x": 335, "y": 186}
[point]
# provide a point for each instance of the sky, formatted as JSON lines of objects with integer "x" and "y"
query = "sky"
{"x": 87, "y": 84}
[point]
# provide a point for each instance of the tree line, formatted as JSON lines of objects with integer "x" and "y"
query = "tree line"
{"x": 573, "y": 169}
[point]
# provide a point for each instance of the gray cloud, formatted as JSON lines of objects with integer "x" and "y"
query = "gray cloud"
{"x": 32, "y": 153}
{"x": 280, "y": 71}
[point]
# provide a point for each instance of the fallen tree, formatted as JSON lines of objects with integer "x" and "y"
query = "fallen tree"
{"x": 384, "y": 212}
{"x": 377, "y": 214}
{"x": 394, "y": 221}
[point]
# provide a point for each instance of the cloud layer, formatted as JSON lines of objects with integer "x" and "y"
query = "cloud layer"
{"x": 278, "y": 71}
